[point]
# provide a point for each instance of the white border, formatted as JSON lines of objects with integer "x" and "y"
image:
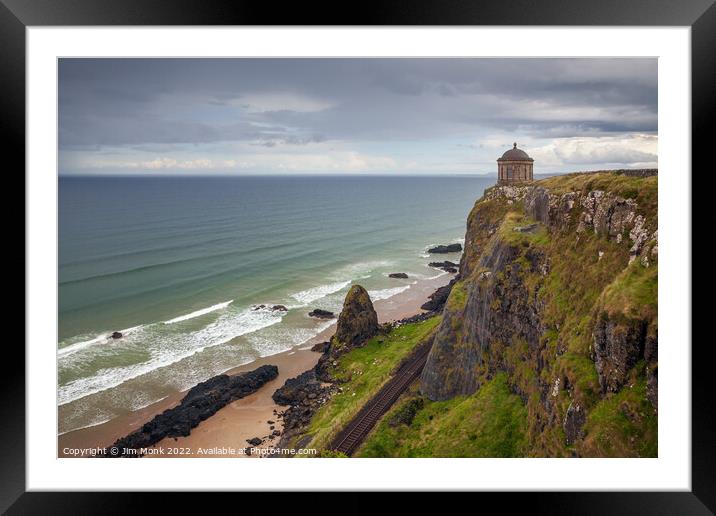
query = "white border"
{"x": 670, "y": 471}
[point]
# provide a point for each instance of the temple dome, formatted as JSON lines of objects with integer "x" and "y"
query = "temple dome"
{"x": 515, "y": 154}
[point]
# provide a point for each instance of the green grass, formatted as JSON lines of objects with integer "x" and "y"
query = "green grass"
{"x": 634, "y": 292}
{"x": 582, "y": 373}
{"x": 490, "y": 423}
{"x": 458, "y": 296}
{"x": 512, "y": 220}
{"x": 623, "y": 424}
{"x": 363, "y": 372}
{"x": 642, "y": 189}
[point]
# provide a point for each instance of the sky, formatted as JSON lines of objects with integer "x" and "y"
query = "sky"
{"x": 354, "y": 116}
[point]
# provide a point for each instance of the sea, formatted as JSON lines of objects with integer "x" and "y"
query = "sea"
{"x": 181, "y": 266}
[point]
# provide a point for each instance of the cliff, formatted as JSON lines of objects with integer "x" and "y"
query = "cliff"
{"x": 557, "y": 296}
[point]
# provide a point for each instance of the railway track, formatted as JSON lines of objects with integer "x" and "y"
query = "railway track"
{"x": 348, "y": 440}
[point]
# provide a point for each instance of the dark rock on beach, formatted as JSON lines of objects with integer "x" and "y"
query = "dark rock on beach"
{"x": 295, "y": 390}
{"x": 273, "y": 308}
{"x": 438, "y": 298}
{"x": 321, "y": 347}
{"x": 304, "y": 395}
{"x": 447, "y": 266}
{"x": 440, "y": 265}
{"x": 254, "y": 441}
{"x": 400, "y": 275}
{"x": 321, "y": 314}
{"x": 201, "y": 402}
{"x": 412, "y": 319}
{"x": 116, "y": 335}
{"x": 443, "y": 249}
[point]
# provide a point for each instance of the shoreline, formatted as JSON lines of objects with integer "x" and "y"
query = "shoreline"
{"x": 247, "y": 417}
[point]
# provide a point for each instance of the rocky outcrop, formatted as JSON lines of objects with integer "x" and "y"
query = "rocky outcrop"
{"x": 387, "y": 327}
{"x": 573, "y": 424}
{"x": 321, "y": 347}
{"x": 437, "y": 299}
{"x": 618, "y": 346}
{"x": 116, "y": 335}
{"x": 444, "y": 249}
{"x": 399, "y": 275}
{"x": 440, "y": 265}
{"x": 447, "y": 266}
{"x": 201, "y": 402}
{"x": 598, "y": 211}
{"x": 652, "y": 385}
{"x": 273, "y": 308}
{"x": 304, "y": 395}
{"x": 296, "y": 390}
{"x": 357, "y": 322}
{"x": 537, "y": 204}
{"x": 321, "y": 314}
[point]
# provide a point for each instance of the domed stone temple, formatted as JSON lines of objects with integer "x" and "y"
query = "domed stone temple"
{"x": 515, "y": 166}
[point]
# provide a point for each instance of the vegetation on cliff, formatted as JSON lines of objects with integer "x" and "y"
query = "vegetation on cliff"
{"x": 360, "y": 373}
{"x": 559, "y": 292}
{"x": 490, "y": 423}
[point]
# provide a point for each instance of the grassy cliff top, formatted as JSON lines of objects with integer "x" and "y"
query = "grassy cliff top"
{"x": 640, "y": 188}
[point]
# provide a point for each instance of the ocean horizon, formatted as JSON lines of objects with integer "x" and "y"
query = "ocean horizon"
{"x": 181, "y": 265}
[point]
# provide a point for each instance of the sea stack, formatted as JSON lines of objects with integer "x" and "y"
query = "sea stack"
{"x": 357, "y": 322}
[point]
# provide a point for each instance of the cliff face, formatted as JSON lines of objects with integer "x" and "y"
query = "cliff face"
{"x": 558, "y": 289}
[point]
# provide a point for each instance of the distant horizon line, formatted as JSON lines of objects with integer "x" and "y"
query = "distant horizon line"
{"x": 301, "y": 174}
{"x": 319, "y": 174}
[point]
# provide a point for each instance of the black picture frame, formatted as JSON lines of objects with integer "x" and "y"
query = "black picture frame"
{"x": 700, "y": 15}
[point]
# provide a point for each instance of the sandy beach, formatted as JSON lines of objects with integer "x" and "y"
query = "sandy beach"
{"x": 248, "y": 417}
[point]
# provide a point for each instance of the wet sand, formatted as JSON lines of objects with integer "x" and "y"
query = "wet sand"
{"x": 225, "y": 433}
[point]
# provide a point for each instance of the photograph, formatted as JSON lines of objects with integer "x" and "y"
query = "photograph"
{"x": 357, "y": 257}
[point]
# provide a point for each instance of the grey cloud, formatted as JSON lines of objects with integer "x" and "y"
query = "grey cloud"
{"x": 289, "y": 140}
{"x": 613, "y": 154}
{"x": 131, "y": 102}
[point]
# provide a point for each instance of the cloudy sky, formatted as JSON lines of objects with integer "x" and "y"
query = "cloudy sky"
{"x": 353, "y": 116}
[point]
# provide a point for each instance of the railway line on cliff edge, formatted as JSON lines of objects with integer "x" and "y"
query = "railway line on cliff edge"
{"x": 348, "y": 440}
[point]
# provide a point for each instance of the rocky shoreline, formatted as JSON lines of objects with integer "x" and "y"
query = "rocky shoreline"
{"x": 201, "y": 402}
